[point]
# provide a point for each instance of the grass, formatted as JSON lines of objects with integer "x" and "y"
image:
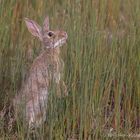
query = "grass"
{"x": 102, "y": 65}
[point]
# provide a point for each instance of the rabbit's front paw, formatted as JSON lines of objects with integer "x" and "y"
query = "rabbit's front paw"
{"x": 64, "y": 88}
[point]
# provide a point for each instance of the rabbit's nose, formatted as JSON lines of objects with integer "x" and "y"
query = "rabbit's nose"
{"x": 65, "y": 34}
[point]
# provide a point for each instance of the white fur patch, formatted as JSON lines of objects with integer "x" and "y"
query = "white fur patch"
{"x": 59, "y": 43}
{"x": 37, "y": 108}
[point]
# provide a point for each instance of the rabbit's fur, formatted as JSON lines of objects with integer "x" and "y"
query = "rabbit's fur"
{"x": 47, "y": 67}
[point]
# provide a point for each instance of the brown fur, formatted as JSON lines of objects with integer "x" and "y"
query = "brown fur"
{"x": 31, "y": 101}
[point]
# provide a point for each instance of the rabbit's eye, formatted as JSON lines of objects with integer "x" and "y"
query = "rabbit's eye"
{"x": 50, "y": 34}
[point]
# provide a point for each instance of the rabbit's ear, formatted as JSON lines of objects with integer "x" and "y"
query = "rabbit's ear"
{"x": 34, "y": 28}
{"x": 46, "y": 24}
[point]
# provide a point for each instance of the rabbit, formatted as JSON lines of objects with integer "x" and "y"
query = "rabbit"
{"x": 47, "y": 67}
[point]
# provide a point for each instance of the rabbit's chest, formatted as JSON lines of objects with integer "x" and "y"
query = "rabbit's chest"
{"x": 54, "y": 72}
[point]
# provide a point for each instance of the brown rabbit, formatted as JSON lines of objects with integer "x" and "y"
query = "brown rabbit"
{"x": 47, "y": 67}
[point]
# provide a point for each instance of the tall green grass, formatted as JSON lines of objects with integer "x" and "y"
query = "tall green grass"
{"x": 102, "y": 65}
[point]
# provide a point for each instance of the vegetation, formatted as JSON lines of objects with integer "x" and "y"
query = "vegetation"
{"x": 102, "y": 65}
